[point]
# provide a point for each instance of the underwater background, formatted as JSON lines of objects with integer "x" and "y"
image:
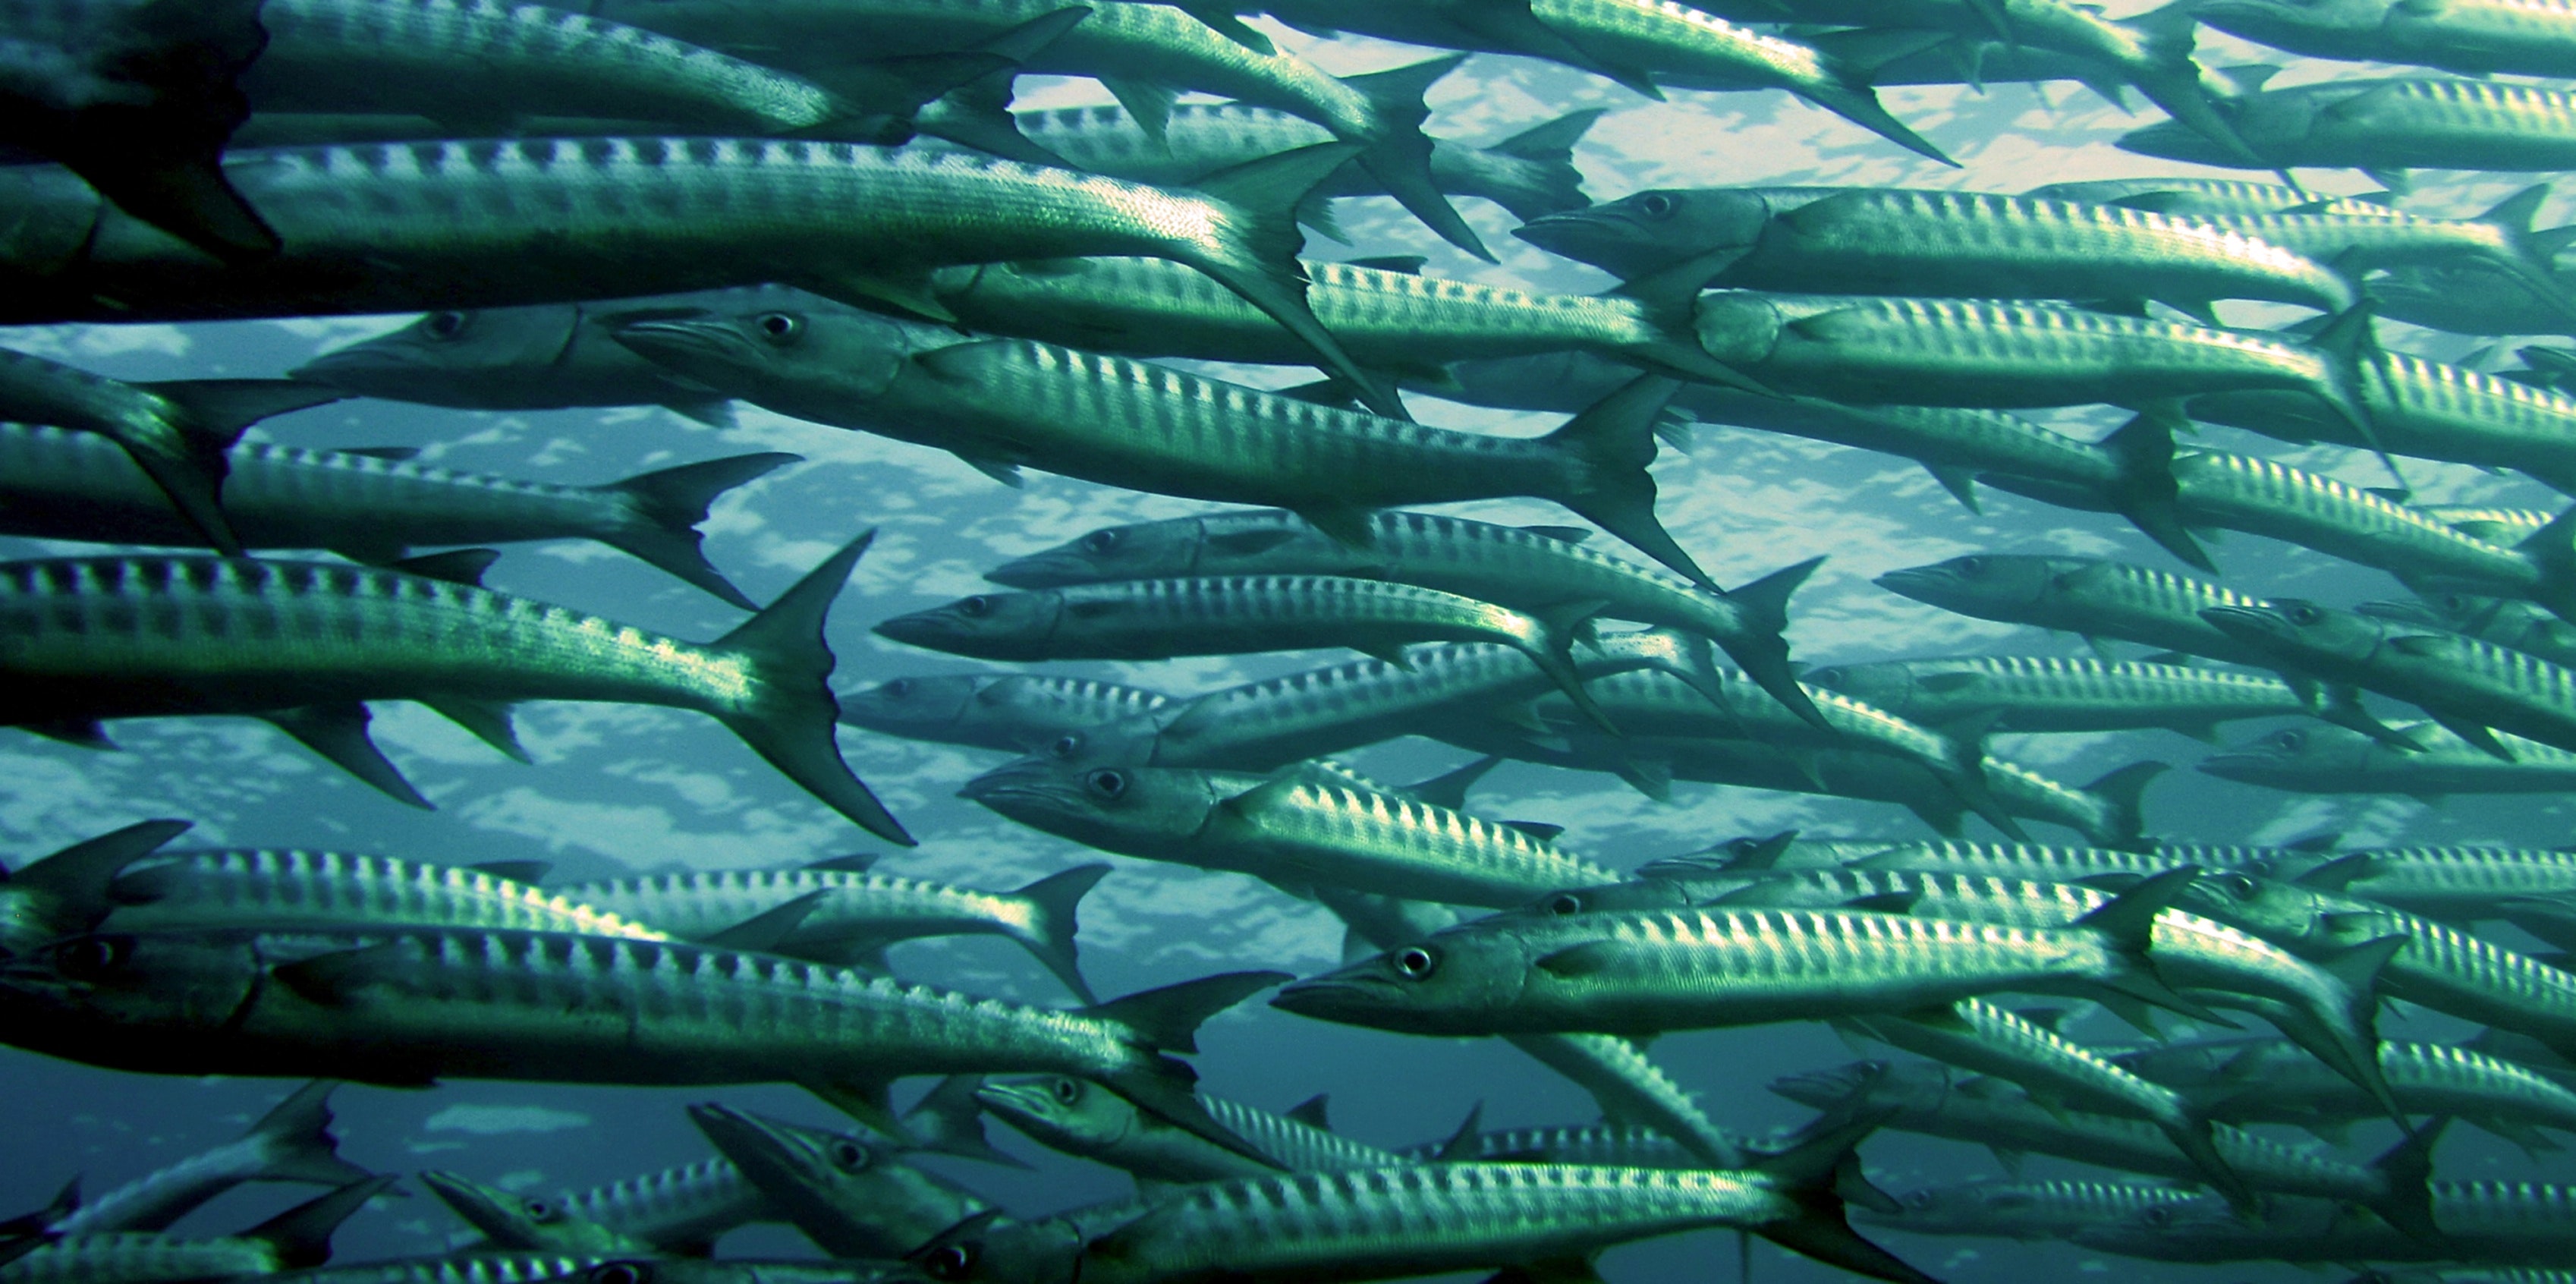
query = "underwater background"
{"x": 619, "y": 789}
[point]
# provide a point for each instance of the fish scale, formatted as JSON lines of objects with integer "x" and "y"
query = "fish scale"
{"x": 276, "y": 888}
{"x": 2058, "y": 693}
{"x": 692, "y": 1204}
{"x": 2274, "y": 1084}
{"x": 2427, "y": 409}
{"x": 2462, "y": 878}
{"x": 2385, "y": 125}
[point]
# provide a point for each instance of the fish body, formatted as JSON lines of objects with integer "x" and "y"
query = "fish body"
{"x": 854, "y": 1196}
{"x": 2472, "y": 37}
{"x": 676, "y": 1210}
{"x": 2384, "y": 125}
{"x": 2428, "y": 410}
{"x": 2021, "y": 1210}
{"x": 2467, "y": 299}
{"x": 71, "y": 485}
{"x": 1012, "y": 712}
{"x": 2454, "y": 883}
{"x": 288, "y": 889}
{"x": 1292, "y": 830}
{"x": 528, "y": 1223}
{"x": 857, "y": 911}
{"x": 2497, "y": 1223}
{"x": 100, "y": 638}
{"x": 292, "y": 1142}
{"x": 1001, "y": 404}
{"x": 2087, "y": 596}
{"x": 2467, "y": 685}
{"x": 2332, "y": 760}
{"x": 2081, "y": 693}
{"x": 449, "y": 1268}
{"x": 2201, "y": 197}
{"x": 1083, "y": 1119}
{"x": 1932, "y": 243}
{"x": 2275, "y": 1083}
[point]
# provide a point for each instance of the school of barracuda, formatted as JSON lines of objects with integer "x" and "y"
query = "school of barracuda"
{"x": 2299, "y": 1035}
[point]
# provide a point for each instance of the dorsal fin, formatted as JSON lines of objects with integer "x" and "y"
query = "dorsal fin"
{"x": 1311, "y": 1112}
{"x": 762, "y": 932}
{"x": 1468, "y": 1142}
{"x": 531, "y": 872}
{"x": 854, "y": 863}
{"x": 457, "y": 566}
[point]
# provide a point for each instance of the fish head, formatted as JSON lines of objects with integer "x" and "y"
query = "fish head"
{"x": 2252, "y": 901}
{"x": 1063, "y": 1112}
{"x": 444, "y": 354}
{"x": 1968, "y": 1208}
{"x": 2460, "y": 612}
{"x": 1136, "y": 551}
{"x": 1737, "y": 327}
{"x": 528, "y": 1223}
{"x": 1024, "y": 713}
{"x": 768, "y": 346}
{"x": 879, "y": 1204}
{"x": 1889, "y": 686}
{"x": 987, "y": 1249}
{"x": 1126, "y": 742}
{"x": 1875, "y": 1084}
{"x": 915, "y": 708}
{"x": 1979, "y": 584}
{"x": 1135, "y": 810}
{"x": 150, "y": 985}
{"x": 1455, "y": 982}
{"x": 996, "y": 626}
{"x": 1650, "y": 231}
{"x": 2201, "y": 1229}
{"x": 2295, "y": 758}
{"x": 1643, "y": 894}
{"x": 2297, "y": 629}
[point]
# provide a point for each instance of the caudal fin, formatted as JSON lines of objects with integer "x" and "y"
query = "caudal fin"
{"x": 2406, "y": 1171}
{"x": 2524, "y": 256}
{"x": 302, "y": 1235}
{"x": 160, "y": 158}
{"x": 948, "y": 1119}
{"x": 1757, "y": 645}
{"x": 1398, "y": 155}
{"x": 1607, "y": 448}
{"x": 2143, "y": 487}
{"x": 789, "y": 716}
{"x": 69, "y": 891}
{"x": 1850, "y": 97}
{"x": 1167, "y": 1020}
{"x": 1812, "y": 1175}
{"x": 1053, "y": 901}
{"x": 296, "y": 1144}
{"x": 663, "y": 510}
{"x": 2122, "y": 794}
{"x": 1254, "y": 253}
{"x": 2346, "y": 342}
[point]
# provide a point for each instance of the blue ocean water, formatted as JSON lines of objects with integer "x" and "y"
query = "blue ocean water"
{"x": 618, "y": 789}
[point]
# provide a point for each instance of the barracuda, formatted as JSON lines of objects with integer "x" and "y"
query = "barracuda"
{"x": 1543, "y": 570}
{"x": 2440, "y": 966}
{"x": 2491, "y": 1222}
{"x": 1932, "y": 1100}
{"x": 2327, "y": 1006}
{"x": 859, "y": 911}
{"x": 370, "y": 507}
{"x": 2380, "y": 239}
{"x": 446, "y": 224}
{"x": 1293, "y": 830}
{"x": 304, "y": 644}
{"x": 1530, "y": 173}
{"x": 528, "y": 1225}
{"x": 1624, "y": 1081}
{"x": 1264, "y": 725}
{"x": 1425, "y": 1219}
{"x": 2331, "y": 760}
{"x": 298, "y": 1238}
{"x": 2385, "y": 126}
{"x": 2005, "y": 355}
{"x": 1611, "y": 1145}
{"x": 2467, "y": 685}
{"x": 2049, "y": 693}
{"x": 2492, "y": 524}
{"x": 176, "y": 432}
{"x": 2427, "y": 410}
{"x": 2454, "y": 883}
{"x": 2094, "y": 866}
{"x": 1012, "y": 712}
{"x": 411, "y": 1007}
{"x": 292, "y": 1142}
{"x": 1142, "y": 53}
{"x": 1238, "y": 614}
{"x": 2021, "y": 1210}
{"x": 2474, "y": 37}
{"x": 66, "y": 891}
{"x": 2198, "y": 197}
{"x": 854, "y": 1197}
{"x": 1400, "y": 322}
{"x": 2264, "y": 1082}
{"x": 273, "y": 889}
{"x": 677, "y": 1210}
{"x": 1000, "y": 404}
{"x": 1650, "y": 971}
{"x": 486, "y": 61}
{"x": 453, "y": 1268}
{"x": 1977, "y": 245}
{"x": 2099, "y": 599}
{"x": 2125, "y": 471}
{"x": 1079, "y": 1118}
{"x": 2469, "y": 299}
{"x": 2261, "y": 497}
{"x": 1981, "y": 1038}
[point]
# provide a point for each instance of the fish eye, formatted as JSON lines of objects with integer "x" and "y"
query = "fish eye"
{"x": 1100, "y": 541}
{"x": 444, "y": 325}
{"x": 92, "y": 957}
{"x": 2157, "y": 1216}
{"x": 1919, "y": 1198}
{"x": 1065, "y": 746}
{"x": 2236, "y": 885}
{"x": 849, "y": 1155}
{"x": 537, "y": 1210}
{"x": 1972, "y": 567}
{"x": 1657, "y": 205}
{"x": 897, "y": 689}
{"x": 779, "y": 327}
{"x": 976, "y": 607}
{"x": 619, "y": 1273}
{"x": 1107, "y": 783}
{"x": 2305, "y": 614}
{"x": 1067, "y": 1091}
{"x": 1825, "y": 676}
{"x": 1415, "y": 962}
{"x": 1565, "y": 903}
{"x": 948, "y": 1262}
{"x": 2292, "y": 739}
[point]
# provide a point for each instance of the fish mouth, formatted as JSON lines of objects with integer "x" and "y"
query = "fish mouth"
{"x": 682, "y": 339}
{"x": 1025, "y": 784}
{"x": 362, "y": 359}
{"x": 1029, "y": 1100}
{"x": 1822, "y": 1088}
{"x": 2402, "y": 612}
{"x": 1550, "y": 231}
{"x": 743, "y": 1138}
{"x": 1038, "y": 571}
{"x": 2247, "y": 623}
{"x": 1332, "y": 998}
{"x": 921, "y": 630}
{"x": 1912, "y": 581}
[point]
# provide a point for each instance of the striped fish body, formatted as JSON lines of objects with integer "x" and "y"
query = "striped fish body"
{"x": 2468, "y": 298}
{"x": 400, "y": 226}
{"x": 2428, "y": 410}
{"x": 2036, "y": 693}
{"x": 1397, "y": 321}
{"x": 2275, "y": 1083}
{"x": 1627, "y": 1084}
{"x": 540, "y": 357}
{"x": 676, "y": 1210}
{"x": 1987, "y": 246}
{"x": 130, "y": 637}
{"x": 1639, "y": 973}
{"x": 139, "y": 1257}
{"x": 446, "y": 58}
{"x": 2040, "y": 863}
{"x": 1986, "y": 1039}
{"x": 38, "y": 390}
{"x": 1993, "y": 355}
{"x": 1418, "y": 1219}
{"x": 2094, "y": 598}
{"x": 2493, "y": 524}
{"x": 1213, "y": 615}
{"x": 2460, "y": 882}
{"x": 528, "y": 1224}
{"x": 449, "y": 1268}
{"x": 2242, "y": 492}
{"x": 2200, "y": 198}
{"x": 2474, "y": 37}
{"x": 2461, "y": 681}
{"x": 2375, "y": 239}
{"x": 1084, "y": 1119}
{"x": 2497, "y": 1223}
{"x": 853, "y": 1195}
{"x": 1015, "y": 713}
{"x": 2020, "y": 1210}
{"x": 2434, "y": 123}
{"x": 409, "y": 1007}
{"x": 2332, "y": 760}
{"x": 1604, "y": 1145}
{"x": 1653, "y": 703}
{"x": 284, "y": 889}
